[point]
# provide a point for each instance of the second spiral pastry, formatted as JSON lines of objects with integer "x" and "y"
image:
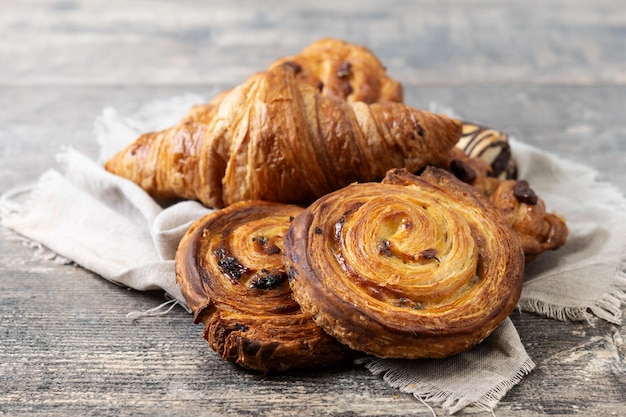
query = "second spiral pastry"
{"x": 413, "y": 267}
{"x": 230, "y": 269}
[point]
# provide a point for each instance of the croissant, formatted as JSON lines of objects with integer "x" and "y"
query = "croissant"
{"x": 413, "y": 267}
{"x": 230, "y": 269}
{"x": 276, "y": 139}
{"x": 523, "y": 210}
{"x": 354, "y": 73}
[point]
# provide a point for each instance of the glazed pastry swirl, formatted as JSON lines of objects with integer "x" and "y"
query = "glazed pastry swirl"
{"x": 409, "y": 268}
{"x": 230, "y": 269}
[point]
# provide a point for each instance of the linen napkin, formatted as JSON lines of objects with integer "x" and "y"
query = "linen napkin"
{"x": 110, "y": 226}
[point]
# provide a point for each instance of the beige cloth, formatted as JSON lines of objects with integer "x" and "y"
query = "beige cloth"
{"x": 110, "y": 226}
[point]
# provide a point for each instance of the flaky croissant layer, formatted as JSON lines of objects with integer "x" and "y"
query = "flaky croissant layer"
{"x": 274, "y": 138}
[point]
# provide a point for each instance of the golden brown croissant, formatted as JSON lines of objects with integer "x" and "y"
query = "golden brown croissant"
{"x": 522, "y": 208}
{"x": 230, "y": 269}
{"x": 276, "y": 139}
{"x": 411, "y": 267}
{"x": 342, "y": 69}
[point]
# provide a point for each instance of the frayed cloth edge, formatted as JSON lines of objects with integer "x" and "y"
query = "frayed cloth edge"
{"x": 10, "y": 205}
{"x": 608, "y": 307}
{"x": 160, "y": 310}
{"x": 450, "y": 402}
{"x": 18, "y": 201}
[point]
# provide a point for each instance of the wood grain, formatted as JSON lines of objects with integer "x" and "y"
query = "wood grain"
{"x": 424, "y": 42}
{"x": 550, "y": 73}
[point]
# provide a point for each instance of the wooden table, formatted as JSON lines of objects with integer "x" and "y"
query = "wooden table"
{"x": 552, "y": 73}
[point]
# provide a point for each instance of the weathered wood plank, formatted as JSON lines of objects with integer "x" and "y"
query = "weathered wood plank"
{"x": 68, "y": 348}
{"x": 116, "y": 42}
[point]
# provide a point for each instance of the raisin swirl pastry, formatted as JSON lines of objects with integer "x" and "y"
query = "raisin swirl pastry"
{"x": 413, "y": 267}
{"x": 230, "y": 269}
{"x": 523, "y": 210}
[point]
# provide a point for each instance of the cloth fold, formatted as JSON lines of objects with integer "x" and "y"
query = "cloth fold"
{"x": 110, "y": 226}
{"x": 587, "y": 276}
{"x": 103, "y": 223}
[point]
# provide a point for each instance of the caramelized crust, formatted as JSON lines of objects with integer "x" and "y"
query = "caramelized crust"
{"x": 230, "y": 269}
{"x": 413, "y": 267}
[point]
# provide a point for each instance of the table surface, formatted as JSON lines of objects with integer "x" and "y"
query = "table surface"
{"x": 552, "y": 73}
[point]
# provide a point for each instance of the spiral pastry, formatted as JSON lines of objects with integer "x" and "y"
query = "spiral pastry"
{"x": 412, "y": 267}
{"x": 230, "y": 269}
{"x": 523, "y": 210}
